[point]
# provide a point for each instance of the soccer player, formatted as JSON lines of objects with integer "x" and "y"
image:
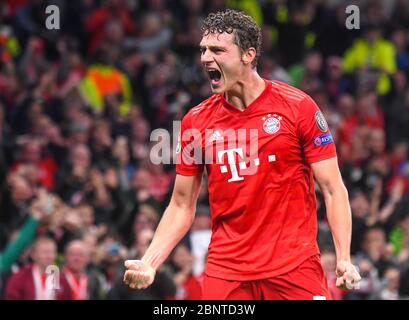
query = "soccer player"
{"x": 263, "y": 204}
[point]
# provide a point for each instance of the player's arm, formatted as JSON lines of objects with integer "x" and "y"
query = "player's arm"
{"x": 328, "y": 177}
{"x": 175, "y": 223}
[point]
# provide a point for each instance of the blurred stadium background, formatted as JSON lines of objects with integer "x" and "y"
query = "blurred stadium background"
{"x": 77, "y": 106}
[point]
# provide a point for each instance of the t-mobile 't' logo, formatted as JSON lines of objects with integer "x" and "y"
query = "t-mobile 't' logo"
{"x": 232, "y": 163}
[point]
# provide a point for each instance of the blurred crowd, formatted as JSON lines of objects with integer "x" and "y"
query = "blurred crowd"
{"x": 77, "y": 106}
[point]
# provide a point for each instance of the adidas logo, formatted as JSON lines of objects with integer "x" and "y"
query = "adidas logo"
{"x": 216, "y": 136}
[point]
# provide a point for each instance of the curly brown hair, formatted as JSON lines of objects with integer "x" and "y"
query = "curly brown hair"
{"x": 247, "y": 33}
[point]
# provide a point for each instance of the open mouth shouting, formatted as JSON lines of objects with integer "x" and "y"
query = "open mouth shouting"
{"x": 214, "y": 76}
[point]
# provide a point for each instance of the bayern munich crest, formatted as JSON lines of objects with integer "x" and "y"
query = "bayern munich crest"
{"x": 271, "y": 123}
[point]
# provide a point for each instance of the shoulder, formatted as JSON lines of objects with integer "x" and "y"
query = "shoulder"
{"x": 287, "y": 92}
{"x": 203, "y": 109}
{"x": 23, "y": 273}
{"x": 292, "y": 99}
{"x": 386, "y": 44}
{"x": 359, "y": 44}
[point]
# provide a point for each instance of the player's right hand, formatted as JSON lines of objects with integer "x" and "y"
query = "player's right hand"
{"x": 348, "y": 277}
{"x": 139, "y": 275}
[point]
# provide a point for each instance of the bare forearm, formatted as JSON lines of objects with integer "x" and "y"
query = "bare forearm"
{"x": 174, "y": 224}
{"x": 339, "y": 219}
{"x": 387, "y": 211}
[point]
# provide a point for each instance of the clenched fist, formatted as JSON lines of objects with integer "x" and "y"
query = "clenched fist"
{"x": 347, "y": 275}
{"x": 139, "y": 275}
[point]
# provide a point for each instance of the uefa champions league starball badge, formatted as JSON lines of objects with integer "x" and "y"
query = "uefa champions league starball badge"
{"x": 271, "y": 123}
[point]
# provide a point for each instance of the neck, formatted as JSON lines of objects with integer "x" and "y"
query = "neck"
{"x": 76, "y": 273}
{"x": 245, "y": 91}
{"x": 41, "y": 269}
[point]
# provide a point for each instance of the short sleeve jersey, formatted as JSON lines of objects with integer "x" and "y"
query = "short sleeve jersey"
{"x": 261, "y": 187}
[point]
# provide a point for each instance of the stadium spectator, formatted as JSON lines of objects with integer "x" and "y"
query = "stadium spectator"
{"x": 188, "y": 285}
{"x": 379, "y": 67}
{"x": 165, "y": 288}
{"x": 36, "y": 282}
{"x": 391, "y": 284}
{"x": 84, "y": 284}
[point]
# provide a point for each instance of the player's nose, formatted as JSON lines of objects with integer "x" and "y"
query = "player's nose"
{"x": 206, "y": 57}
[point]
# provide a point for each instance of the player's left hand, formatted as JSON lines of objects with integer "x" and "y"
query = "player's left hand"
{"x": 347, "y": 276}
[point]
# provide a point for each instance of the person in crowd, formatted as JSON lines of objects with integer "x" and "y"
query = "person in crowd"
{"x": 41, "y": 280}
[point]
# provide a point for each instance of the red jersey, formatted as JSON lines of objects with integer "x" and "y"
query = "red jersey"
{"x": 261, "y": 186}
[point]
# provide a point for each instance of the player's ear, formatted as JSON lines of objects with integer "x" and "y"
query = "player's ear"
{"x": 249, "y": 55}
